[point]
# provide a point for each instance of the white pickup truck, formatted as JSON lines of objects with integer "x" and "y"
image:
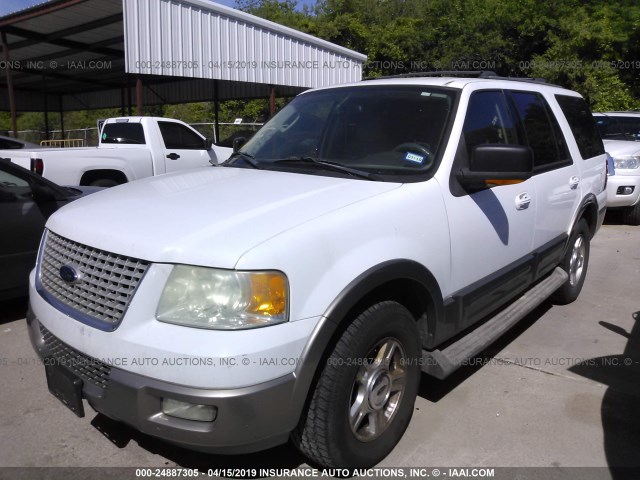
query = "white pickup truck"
{"x": 129, "y": 148}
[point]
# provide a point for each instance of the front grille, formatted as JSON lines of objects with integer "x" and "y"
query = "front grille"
{"x": 87, "y": 368}
{"x": 106, "y": 282}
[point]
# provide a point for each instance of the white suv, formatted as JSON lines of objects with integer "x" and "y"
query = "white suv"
{"x": 367, "y": 232}
{"x": 621, "y": 134}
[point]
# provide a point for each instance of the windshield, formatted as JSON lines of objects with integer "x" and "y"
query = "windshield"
{"x": 380, "y": 130}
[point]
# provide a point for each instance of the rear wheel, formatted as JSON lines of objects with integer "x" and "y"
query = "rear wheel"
{"x": 575, "y": 263}
{"x": 364, "y": 397}
{"x": 632, "y": 215}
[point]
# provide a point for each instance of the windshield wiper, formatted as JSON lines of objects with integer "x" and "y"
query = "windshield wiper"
{"x": 247, "y": 157}
{"x": 336, "y": 167}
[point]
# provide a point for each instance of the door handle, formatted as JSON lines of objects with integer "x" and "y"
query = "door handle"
{"x": 173, "y": 156}
{"x": 574, "y": 182}
{"x": 523, "y": 201}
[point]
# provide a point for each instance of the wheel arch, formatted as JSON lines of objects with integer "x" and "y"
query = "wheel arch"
{"x": 589, "y": 211}
{"x": 92, "y": 175}
{"x": 404, "y": 281}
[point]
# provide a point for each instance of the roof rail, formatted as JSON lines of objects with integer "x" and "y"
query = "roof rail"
{"x": 440, "y": 73}
{"x": 465, "y": 73}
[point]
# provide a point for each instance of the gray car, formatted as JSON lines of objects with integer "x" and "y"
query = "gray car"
{"x": 10, "y": 143}
{"x": 26, "y": 202}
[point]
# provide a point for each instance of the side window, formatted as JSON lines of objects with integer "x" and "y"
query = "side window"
{"x": 542, "y": 132}
{"x": 488, "y": 120}
{"x": 582, "y": 125}
{"x": 13, "y": 188}
{"x": 180, "y": 137}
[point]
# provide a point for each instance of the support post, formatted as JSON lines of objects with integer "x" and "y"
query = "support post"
{"x": 46, "y": 108}
{"x": 272, "y": 101}
{"x": 61, "y": 116}
{"x": 139, "y": 96}
{"x": 129, "y": 102}
{"x": 12, "y": 100}
{"x": 216, "y": 112}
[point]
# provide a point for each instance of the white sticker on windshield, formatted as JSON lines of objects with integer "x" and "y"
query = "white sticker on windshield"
{"x": 414, "y": 157}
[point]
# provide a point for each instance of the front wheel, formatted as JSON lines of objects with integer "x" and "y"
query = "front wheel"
{"x": 363, "y": 400}
{"x": 632, "y": 215}
{"x": 575, "y": 263}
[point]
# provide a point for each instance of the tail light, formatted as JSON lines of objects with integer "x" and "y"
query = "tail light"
{"x": 37, "y": 166}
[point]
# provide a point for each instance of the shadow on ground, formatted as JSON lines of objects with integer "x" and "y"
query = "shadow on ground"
{"x": 434, "y": 390}
{"x": 613, "y": 217}
{"x": 11, "y": 310}
{"x": 621, "y": 403}
{"x": 284, "y": 456}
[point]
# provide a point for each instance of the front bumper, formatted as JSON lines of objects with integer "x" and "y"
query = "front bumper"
{"x": 617, "y": 181}
{"x": 248, "y": 419}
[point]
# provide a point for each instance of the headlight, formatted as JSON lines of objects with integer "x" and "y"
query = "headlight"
{"x": 628, "y": 162}
{"x": 223, "y": 299}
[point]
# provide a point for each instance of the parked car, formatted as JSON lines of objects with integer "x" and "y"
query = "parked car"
{"x": 129, "y": 148}
{"x": 26, "y": 202}
{"x": 367, "y": 232}
{"x": 10, "y": 143}
{"x": 619, "y": 125}
{"x": 620, "y": 131}
{"x": 623, "y": 189}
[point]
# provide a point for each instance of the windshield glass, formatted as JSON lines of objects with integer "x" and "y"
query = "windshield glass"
{"x": 382, "y": 130}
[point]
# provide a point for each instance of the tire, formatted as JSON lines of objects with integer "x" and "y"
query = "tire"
{"x": 631, "y": 215}
{"x": 362, "y": 405}
{"x": 575, "y": 263}
{"x": 104, "y": 182}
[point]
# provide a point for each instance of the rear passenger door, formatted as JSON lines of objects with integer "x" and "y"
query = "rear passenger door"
{"x": 183, "y": 147}
{"x": 586, "y": 146}
{"x": 556, "y": 177}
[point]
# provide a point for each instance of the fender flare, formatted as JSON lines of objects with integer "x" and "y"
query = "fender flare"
{"x": 337, "y": 315}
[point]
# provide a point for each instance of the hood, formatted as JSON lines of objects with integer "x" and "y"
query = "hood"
{"x": 617, "y": 148}
{"x": 208, "y": 216}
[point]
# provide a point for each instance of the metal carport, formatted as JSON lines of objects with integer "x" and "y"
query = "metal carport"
{"x": 83, "y": 54}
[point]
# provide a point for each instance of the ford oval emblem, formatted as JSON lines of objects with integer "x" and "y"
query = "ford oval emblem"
{"x": 69, "y": 274}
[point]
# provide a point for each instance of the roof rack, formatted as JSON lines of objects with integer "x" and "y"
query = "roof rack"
{"x": 440, "y": 73}
{"x": 464, "y": 73}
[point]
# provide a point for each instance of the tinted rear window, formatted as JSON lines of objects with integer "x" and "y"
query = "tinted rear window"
{"x": 582, "y": 125}
{"x": 123, "y": 133}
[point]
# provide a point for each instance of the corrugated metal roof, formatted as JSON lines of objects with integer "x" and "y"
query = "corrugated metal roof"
{"x": 193, "y": 38}
{"x": 52, "y": 45}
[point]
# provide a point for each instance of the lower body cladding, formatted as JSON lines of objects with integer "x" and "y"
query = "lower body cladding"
{"x": 230, "y": 421}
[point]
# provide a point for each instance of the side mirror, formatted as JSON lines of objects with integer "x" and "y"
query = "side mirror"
{"x": 238, "y": 142}
{"x": 497, "y": 164}
{"x": 208, "y": 142}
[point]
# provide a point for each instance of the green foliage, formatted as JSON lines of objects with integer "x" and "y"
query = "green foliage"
{"x": 591, "y": 46}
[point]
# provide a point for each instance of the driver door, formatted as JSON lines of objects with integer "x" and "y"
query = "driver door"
{"x": 183, "y": 147}
{"x": 491, "y": 229}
